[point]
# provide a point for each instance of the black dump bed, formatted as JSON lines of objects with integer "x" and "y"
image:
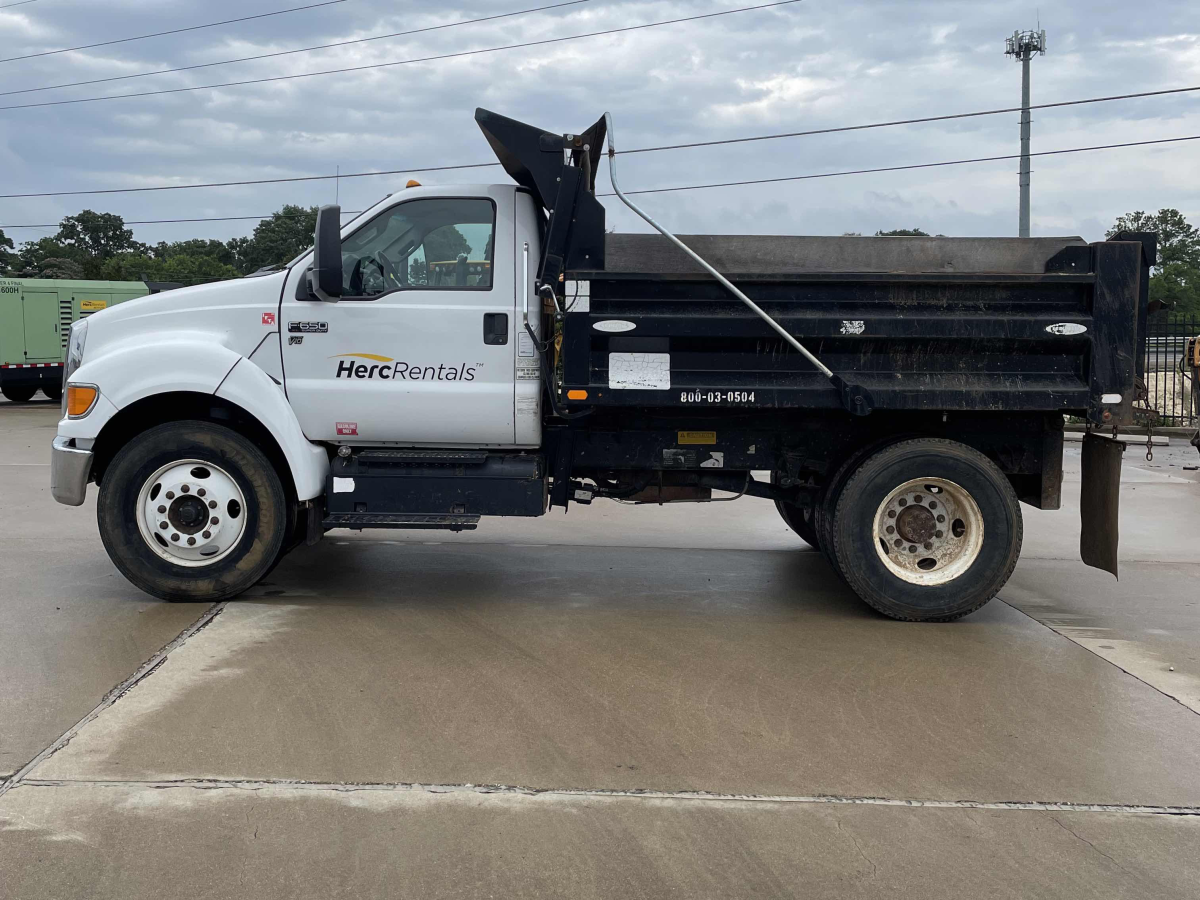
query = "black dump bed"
{"x": 1044, "y": 324}
{"x": 746, "y": 254}
{"x": 989, "y": 324}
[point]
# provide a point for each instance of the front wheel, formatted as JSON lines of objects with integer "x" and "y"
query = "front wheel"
{"x": 192, "y": 511}
{"x": 52, "y": 392}
{"x": 927, "y": 530}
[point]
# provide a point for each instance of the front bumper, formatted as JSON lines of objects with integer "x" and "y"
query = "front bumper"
{"x": 70, "y": 468}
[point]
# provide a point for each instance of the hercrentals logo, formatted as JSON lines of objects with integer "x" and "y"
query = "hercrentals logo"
{"x": 389, "y": 370}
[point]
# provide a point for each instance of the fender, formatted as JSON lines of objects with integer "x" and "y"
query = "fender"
{"x": 195, "y": 362}
{"x": 130, "y": 370}
{"x": 254, "y": 391}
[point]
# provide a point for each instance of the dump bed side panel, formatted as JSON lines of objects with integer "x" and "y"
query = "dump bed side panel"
{"x": 1054, "y": 340}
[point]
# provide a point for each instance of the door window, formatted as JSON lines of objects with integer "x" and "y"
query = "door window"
{"x": 431, "y": 244}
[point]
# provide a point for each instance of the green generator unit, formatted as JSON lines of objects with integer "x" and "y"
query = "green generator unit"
{"x": 35, "y": 318}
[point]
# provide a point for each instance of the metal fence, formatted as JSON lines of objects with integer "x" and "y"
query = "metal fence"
{"x": 1170, "y": 374}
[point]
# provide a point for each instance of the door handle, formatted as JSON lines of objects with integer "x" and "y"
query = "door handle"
{"x": 495, "y": 328}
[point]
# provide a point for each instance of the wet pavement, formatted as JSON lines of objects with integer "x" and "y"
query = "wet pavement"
{"x": 621, "y": 702}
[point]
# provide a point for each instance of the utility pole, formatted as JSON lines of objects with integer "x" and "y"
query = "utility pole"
{"x": 1023, "y": 46}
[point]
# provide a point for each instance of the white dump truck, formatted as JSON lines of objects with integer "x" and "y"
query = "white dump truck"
{"x": 461, "y": 351}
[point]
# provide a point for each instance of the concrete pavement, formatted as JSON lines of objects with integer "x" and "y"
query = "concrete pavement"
{"x": 619, "y": 703}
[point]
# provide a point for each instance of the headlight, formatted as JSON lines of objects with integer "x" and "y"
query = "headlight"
{"x": 74, "y": 355}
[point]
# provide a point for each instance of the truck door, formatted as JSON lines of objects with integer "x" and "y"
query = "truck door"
{"x": 421, "y": 348}
{"x": 39, "y": 310}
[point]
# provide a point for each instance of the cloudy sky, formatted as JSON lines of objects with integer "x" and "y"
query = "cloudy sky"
{"x": 805, "y": 65}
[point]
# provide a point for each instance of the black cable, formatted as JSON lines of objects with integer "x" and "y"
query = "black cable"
{"x": 481, "y": 165}
{"x": 943, "y": 118}
{"x": 21, "y": 3}
{"x": 226, "y": 62}
{"x": 695, "y": 187}
{"x": 345, "y": 212}
{"x": 402, "y": 62}
{"x": 142, "y": 37}
{"x": 952, "y": 162}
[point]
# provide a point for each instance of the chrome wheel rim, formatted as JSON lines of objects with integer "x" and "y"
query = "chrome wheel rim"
{"x": 191, "y": 513}
{"x": 928, "y": 531}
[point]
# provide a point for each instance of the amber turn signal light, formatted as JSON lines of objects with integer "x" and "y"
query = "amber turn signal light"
{"x": 576, "y": 395}
{"x": 80, "y": 399}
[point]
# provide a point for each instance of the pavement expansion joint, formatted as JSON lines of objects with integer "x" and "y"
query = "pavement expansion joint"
{"x": 628, "y": 794}
{"x": 1115, "y": 665}
{"x": 142, "y": 672}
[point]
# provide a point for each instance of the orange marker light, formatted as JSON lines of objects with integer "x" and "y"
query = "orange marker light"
{"x": 576, "y": 395}
{"x": 80, "y": 399}
{"x": 412, "y": 182}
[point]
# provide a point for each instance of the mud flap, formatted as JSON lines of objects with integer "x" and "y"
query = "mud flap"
{"x": 1100, "y": 501}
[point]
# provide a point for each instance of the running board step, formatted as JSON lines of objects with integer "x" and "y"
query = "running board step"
{"x": 439, "y": 491}
{"x": 422, "y": 457}
{"x": 399, "y": 520}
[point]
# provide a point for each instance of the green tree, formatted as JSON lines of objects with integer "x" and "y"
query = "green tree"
{"x": 185, "y": 268}
{"x": 96, "y": 237}
{"x": 59, "y": 267}
{"x": 445, "y": 244}
{"x": 8, "y": 259}
{"x": 276, "y": 240}
{"x": 1176, "y": 278}
{"x": 43, "y": 259}
{"x": 903, "y": 232}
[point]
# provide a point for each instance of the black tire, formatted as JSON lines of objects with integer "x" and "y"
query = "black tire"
{"x": 52, "y": 392}
{"x": 826, "y": 505}
{"x": 857, "y": 545}
{"x": 800, "y": 520}
{"x": 18, "y": 393}
{"x": 266, "y": 509}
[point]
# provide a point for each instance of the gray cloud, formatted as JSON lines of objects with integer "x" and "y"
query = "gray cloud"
{"x": 808, "y": 65}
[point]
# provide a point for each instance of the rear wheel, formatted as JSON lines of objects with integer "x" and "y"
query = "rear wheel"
{"x": 800, "y": 520}
{"x": 192, "y": 511}
{"x": 52, "y": 391}
{"x": 797, "y": 517}
{"x": 927, "y": 530}
{"x": 18, "y": 393}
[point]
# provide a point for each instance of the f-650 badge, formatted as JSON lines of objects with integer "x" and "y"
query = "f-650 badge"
{"x": 308, "y": 327}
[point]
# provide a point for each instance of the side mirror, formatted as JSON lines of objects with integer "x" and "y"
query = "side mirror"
{"x": 325, "y": 279}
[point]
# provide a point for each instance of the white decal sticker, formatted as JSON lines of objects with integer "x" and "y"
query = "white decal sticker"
{"x": 343, "y": 485}
{"x": 524, "y": 344}
{"x": 614, "y": 326}
{"x": 1066, "y": 328}
{"x": 639, "y": 371}
{"x": 716, "y": 460}
{"x": 853, "y": 326}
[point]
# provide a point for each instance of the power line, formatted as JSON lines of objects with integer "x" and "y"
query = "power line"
{"x": 226, "y": 62}
{"x": 345, "y": 212}
{"x": 21, "y": 3}
{"x": 697, "y": 144}
{"x": 142, "y": 37}
{"x": 401, "y": 62}
{"x": 933, "y": 165}
{"x": 697, "y": 187}
{"x": 942, "y": 118}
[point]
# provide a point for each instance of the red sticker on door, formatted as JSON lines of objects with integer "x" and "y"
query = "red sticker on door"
{"x": 268, "y": 318}
{"x": 348, "y": 428}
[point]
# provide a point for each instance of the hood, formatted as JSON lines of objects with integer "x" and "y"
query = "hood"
{"x": 237, "y": 314}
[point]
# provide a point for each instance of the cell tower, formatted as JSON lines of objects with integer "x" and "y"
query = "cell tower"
{"x": 1024, "y": 46}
